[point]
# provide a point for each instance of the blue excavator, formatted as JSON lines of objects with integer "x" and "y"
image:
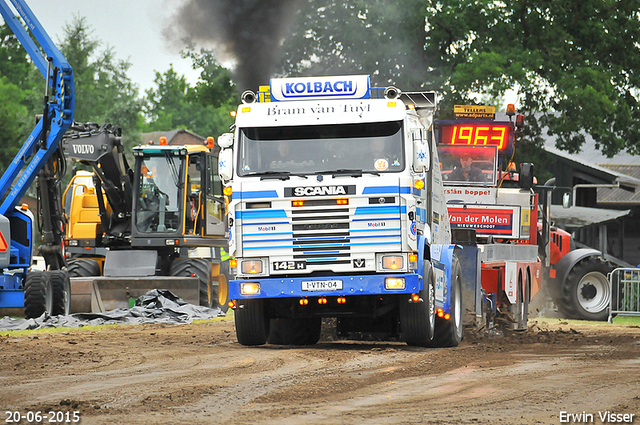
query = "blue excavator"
{"x": 40, "y": 159}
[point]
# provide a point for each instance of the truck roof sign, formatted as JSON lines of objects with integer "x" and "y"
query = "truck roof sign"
{"x": 330, "y": 87}
{"x": 474, "y": 111}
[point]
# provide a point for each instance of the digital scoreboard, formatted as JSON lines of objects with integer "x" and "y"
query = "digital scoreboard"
{"x": 481, "y": 133}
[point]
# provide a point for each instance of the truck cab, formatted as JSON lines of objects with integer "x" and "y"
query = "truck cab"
{"x": 177, "y": 198}
{"x": 335, "y": 211}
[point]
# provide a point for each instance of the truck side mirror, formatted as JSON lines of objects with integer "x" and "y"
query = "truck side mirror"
{"x": 421, "y": 156}
{"x": 225, "y": 164}
{"x": 566, "y": 200}
{"x": 225, "y": 140}
{"x": 526, "y": 176}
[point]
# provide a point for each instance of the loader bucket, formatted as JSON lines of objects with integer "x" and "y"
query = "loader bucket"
{"x": 100, "y": 294}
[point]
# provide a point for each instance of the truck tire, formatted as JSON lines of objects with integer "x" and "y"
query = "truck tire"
{"x": 417, "y": 320}
{"x": 83, "y": 267}
{"x": 200, "y": 268}
{"x": 37, "y": 294}
{"x": 585, "y": 292}
{"x": 448, "y": 333}
{"x": 252, "y": 324}
{"x": 289, "y": 331}
{"x": 61, "y": 292}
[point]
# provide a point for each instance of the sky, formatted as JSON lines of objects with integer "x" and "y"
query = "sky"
{"x": 132, "y": 27}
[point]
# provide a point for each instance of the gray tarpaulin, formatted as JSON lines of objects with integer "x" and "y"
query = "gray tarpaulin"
{"x": 156, "y": 306}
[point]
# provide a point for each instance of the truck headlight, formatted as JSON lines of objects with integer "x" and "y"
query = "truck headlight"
{"x": 250, "y": 288}
{"x": 392, "y": 262}
{"x": 391, "y": 283}
{"x": 251, "y": 266}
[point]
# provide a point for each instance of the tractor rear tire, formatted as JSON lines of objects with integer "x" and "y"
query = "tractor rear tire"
{"x": 448, "y": 333}
{"x": 37, "y": 294}
{"x": 418, "y": 319}
{"x": 289, "y": 331}
{"x": 61, "y": 295}
{"x": 586, "y": 293}
{"x": 83, "y": 267}
{"x": 252, "y": 323}
{"x": 200, "y": 268}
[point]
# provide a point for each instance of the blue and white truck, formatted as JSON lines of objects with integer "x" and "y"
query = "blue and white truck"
{"x": 338, "y": 210}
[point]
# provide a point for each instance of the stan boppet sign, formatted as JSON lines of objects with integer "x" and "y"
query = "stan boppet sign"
{"x": 471, "y": 195}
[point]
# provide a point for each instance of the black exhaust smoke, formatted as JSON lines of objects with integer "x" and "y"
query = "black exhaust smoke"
{"x": 248, "y": 33}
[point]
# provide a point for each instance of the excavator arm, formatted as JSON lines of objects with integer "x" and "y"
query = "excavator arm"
{"x": 58, "y": 107}
{"x": 40, "y": 156}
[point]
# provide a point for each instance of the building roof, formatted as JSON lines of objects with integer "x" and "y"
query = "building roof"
{"x": 623, "y": 168}
{"x": 172, "y": 136}
{"x": 578, "y": 217}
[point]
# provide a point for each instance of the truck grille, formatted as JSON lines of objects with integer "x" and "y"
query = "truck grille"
{"x": 323, "y": 235}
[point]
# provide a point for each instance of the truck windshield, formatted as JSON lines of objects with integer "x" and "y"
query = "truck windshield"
{"x": 367, "y": 147}
{"x": 158, "y": 207}
{"x": 468, "y": 165}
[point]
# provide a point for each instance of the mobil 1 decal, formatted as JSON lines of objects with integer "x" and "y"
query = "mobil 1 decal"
{"x": 336, "y": 190}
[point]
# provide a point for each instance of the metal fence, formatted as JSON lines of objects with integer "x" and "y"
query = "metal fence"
{"x": 625, "y": 292}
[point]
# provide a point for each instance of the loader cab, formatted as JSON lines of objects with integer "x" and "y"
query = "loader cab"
{"x": 177, "y": 197}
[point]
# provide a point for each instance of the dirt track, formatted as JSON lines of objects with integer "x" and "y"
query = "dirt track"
{"x": 199, "y": 374}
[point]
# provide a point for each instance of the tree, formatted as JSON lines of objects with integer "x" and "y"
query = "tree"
{"x": 104, "y": 93}
{"x": 14, "y": 62}
{"x": 203, "y": 109}
{"x": 382, "y": 38}
{"x": 21, "y": 94}
{"x": 13, "y": 115}
{"x": 574, "y": 62}
{"x": 214, "y": 86}
{"x": 571, "y": 61}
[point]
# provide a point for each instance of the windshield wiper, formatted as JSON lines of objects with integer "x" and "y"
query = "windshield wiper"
{"x": 348, "y": 172}
{"x": 282, "y": 175}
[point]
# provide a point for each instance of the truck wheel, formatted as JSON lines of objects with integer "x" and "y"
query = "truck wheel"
{"x": 448, "y": 333}
{"x": 200, "y": 268}
{"x": 288, "y": 331}
{"x": 83, "y": 267}
{"x": 252, "y": 324}
{"x": 37, "y": 294}
{"x": 586, "y": 290}
{"x": 61, "y": 292}
{"x": 417, "y": 320}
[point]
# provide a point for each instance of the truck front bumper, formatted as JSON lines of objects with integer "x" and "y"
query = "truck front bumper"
{"x": 322, "y": 286}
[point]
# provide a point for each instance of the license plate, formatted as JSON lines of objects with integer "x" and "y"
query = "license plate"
{"x": 289, "y": 265}
{"x": 321, "y": 285}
